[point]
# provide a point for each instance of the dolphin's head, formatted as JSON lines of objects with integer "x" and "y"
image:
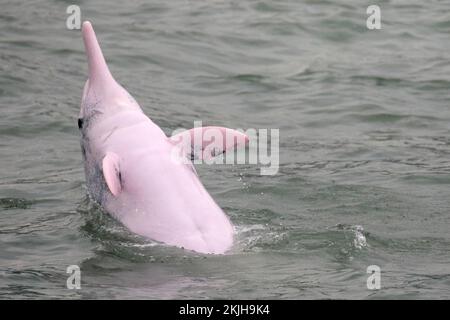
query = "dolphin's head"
{"x": 102, "y": 97}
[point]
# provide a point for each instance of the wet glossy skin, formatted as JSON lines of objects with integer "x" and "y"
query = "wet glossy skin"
{"x": 154, "y": 196}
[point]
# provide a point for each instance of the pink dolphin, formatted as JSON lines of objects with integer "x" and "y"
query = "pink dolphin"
{"x": 131, "y": 170}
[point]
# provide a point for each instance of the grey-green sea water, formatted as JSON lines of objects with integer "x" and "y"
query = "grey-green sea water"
{"x": 364, "y": 122}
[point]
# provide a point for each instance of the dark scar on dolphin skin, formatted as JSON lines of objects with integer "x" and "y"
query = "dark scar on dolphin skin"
{"x": 109, "y": 135}
{"x": 80, "y": 123}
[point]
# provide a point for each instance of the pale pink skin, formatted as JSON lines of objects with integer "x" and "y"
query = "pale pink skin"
{"x": 131, "y": 172}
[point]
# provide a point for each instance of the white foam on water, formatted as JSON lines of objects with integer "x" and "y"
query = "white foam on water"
{"x": 360, "y": 240}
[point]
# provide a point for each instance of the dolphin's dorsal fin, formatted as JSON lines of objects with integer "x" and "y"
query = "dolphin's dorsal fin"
{"x": 208, "y": 142}
{"x": 111, "y": 173}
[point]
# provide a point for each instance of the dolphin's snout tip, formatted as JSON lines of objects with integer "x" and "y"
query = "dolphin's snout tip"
{"x": 86, "y": 27}
{"x": 86, "y": 24}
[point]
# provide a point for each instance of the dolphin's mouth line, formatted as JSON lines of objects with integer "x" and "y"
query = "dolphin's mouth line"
{"x": 116, "y": 129}
{"x": 110, "y": 133}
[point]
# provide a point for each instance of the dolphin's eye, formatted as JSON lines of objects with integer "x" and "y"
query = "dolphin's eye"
{"x": 80, "y": 123}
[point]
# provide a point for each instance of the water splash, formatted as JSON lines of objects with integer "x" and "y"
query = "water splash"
{"x": 360, "y": 240}
{"x": 358, "y": 237}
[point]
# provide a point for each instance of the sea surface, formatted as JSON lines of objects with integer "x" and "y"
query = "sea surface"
{"x": 364, "y": 147}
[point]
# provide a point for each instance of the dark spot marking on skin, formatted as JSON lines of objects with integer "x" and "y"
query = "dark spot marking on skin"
{"x": 91, "y": 111}
{"x": 196, "y": 152}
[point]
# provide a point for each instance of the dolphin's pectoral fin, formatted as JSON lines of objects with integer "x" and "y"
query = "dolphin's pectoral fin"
{"x": 208, "y": 142}
{"x": 111, "y": 172}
